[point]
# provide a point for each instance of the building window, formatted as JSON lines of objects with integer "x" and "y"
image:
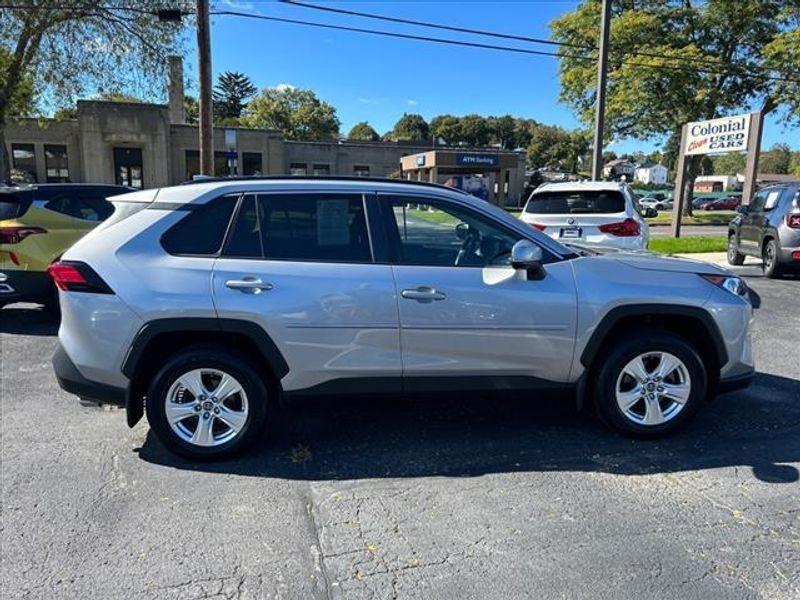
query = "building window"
{"x": 361, "y": 170}
{"x": 251, "y": 164}
{"x": 322, "y": 169}
{"x": 192, "y": 164}
{"x": 128, "y": 167}
{"x": 298, "y": 169}
{"x": 23, "y": 157}
{"x": 55, "y": 161}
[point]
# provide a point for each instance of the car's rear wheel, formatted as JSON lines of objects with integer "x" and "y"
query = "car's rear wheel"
{"x": 772, "y": 267}
{"x": 650, "y": 384}
{"x": 207, "y": 403}
{"x": 734, "y": 256}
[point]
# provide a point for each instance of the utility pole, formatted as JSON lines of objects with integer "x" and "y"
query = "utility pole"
{"x": 206, "y": 119}
{"x": 600, "y": 102}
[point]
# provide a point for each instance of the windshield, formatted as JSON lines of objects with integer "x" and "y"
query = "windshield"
{"x": 554, "y": 203}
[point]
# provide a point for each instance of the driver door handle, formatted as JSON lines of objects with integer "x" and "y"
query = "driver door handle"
{"x": 423, "y": 294}
{"x": 250, "y": 284}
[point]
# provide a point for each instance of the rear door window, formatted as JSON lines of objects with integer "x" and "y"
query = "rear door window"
{"x": 301, "y": 227}
{"x": 583, "y": 202}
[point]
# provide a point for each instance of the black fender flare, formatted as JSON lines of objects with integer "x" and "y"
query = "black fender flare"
{"x": 266, "y": 346}
{"x": 615, "y": 315}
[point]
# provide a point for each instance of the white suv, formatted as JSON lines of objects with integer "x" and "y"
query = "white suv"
{"x": 203, "y": 304}
{"x": 601, "y": 213}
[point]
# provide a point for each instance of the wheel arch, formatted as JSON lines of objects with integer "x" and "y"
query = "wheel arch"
{"x": 160, "y": 338}
{"x": 693, "y": 323}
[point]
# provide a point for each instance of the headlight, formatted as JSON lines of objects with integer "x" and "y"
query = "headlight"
{"x": 734, "y": 285}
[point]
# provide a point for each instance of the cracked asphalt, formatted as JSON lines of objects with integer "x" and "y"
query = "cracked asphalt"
{"x": 424, "y": 498}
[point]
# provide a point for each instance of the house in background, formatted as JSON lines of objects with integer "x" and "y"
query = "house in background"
{"x": 619, "y": 168}
{"x": 651, "y": 173}
{"x": 716, "y": 183}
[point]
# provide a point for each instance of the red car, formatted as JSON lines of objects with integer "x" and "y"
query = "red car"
{"x": 729, "y": 203}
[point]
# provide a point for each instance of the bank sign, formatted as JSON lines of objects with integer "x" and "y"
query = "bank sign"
{"x": 477, "y": 160}
{"x": 718, "y": 136}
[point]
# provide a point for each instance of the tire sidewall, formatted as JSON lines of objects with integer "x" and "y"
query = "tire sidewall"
{"x": 774, "y": 269}
{"x": 237, "y": 366}
{"x": 619, "y": 356}
{"x": 735, "y": 257}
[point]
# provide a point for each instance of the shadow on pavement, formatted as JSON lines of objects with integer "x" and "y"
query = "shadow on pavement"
{"x": 343, "y": 438}
{"x": 27, "y": 320}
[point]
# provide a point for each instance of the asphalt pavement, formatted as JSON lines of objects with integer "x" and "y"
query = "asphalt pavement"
{"x": 425, "y": 498}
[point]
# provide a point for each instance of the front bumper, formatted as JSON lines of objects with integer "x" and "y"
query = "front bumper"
{"x": 71, "y": 380}
{"x": 24, "y": 286}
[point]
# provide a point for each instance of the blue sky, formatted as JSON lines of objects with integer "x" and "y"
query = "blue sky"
{"x": 377, "y": 79}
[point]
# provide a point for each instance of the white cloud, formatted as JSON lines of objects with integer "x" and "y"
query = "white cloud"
{"x": 364, "y": 100}
{"x": 283, "y": 87}
{"x": 239, "y": 4}
{"x": 412, "y": 102}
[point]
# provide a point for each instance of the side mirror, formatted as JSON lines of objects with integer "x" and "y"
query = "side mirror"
{"x": 649, "y": 213}
{"x": 528, "y": 256}
{"x": 741, "y": 209}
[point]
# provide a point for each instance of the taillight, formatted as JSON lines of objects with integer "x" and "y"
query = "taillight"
{"x": 539, "y": 227}
{"x": 793, "y": 221}
{"x": 14, "y": 235}
{"x": 74, "y": 276}
{"x": 627, "y": 228}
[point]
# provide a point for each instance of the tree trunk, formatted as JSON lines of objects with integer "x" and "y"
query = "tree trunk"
{"x": 692, "y": 169}
{"x": 5, "y": 164}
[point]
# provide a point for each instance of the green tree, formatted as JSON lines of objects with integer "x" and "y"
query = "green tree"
{"x": 410, "y": 127}
{"x": 729, "y": 164}
{"x": 363, "y": 132}
{"x": 557, "y": 148}
{"x": 296, "y": 112}
{"x": 63, "y": 49}
{"x": 648, "y": 96}
{"x": 230, "y": 95}
{"x": 503, "y": 131}
{"x": 794, "y": 166}
{"x": 448, "y": 128}
{"x": 475, "y": 130}
{"x": 191, "y": 109}
{"x": 777, "y": 159}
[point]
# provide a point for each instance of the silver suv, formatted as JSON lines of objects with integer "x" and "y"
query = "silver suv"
{"x": 769, "y": 228}
{"x": 205, "y": 304}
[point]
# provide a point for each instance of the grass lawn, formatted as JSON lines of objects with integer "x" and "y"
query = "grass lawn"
{"x": 686, "y": 245}
{"x": 700, "y": 217}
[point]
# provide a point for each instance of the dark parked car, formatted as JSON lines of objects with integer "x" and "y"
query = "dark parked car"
{"x": 768, "y": 227}
{"x": 729, "y": 203}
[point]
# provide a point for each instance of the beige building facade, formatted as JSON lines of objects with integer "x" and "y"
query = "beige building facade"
{"x": 136, "y": 144}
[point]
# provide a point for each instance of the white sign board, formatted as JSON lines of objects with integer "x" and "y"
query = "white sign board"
{"x": 718, "y": 136}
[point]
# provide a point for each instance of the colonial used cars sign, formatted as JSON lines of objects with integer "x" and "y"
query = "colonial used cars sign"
{"x": 717, "y": 136}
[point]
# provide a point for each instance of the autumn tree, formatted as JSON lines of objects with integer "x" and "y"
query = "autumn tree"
{"x": 295, "y": 112}
{"x": 64, "y": 49}
{"x": 674, "y": 61}
{"x": 363, "y": 132}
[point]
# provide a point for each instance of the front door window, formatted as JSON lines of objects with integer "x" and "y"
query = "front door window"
{"x": 128, "y": 167}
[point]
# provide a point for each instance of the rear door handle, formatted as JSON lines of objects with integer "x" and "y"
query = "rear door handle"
{"x": 423, "y": 294}
{"x": 248, "y": 285}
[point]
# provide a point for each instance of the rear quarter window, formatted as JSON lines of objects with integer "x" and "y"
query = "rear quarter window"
{"x": 202, "y": 230}
{"x": 583, "y": 202}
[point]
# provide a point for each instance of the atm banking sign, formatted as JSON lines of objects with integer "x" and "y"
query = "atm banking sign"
{"x": 718, "y": 136}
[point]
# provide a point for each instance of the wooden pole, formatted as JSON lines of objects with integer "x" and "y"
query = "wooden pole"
{"x": 206, "y": 118}
{"x": 753, "y": 150}
{"x": 679, "y": 196}
{"x": 600, "y": 102}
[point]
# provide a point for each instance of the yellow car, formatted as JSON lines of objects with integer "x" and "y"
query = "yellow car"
{"x": 37, "y": 224}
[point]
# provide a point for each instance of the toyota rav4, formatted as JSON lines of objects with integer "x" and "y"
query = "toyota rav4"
{"x": 203, "y": 305}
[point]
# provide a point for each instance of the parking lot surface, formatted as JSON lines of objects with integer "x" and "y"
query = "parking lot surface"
{"x": 420, "y": 498}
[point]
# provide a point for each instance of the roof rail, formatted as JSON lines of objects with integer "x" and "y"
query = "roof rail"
{"x": 209, "y": 179}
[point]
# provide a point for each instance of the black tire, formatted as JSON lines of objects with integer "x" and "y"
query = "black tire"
{"x": 619, "y": 354}
{"x": 770, "y": 255}
{"x": 735, "y": 257}
{"x": 208, "y": 357}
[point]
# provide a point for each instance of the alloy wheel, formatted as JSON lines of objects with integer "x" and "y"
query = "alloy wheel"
{"x": 206, "y": 407}
{"x": 653, "y": 388}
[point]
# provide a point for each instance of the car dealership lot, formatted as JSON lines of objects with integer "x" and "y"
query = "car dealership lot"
{"x": 422, "y": 498}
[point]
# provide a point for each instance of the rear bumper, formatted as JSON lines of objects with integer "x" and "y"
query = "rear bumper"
{"x": 24, "y": 286}
{"x": 71, "y": 380}
{"x": 738, "y": 382}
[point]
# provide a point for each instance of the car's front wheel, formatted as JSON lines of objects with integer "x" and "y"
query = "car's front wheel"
{"x": 650, "y": 384}
{"x": 734, "y": 256}
{"x": 207, "y": 403}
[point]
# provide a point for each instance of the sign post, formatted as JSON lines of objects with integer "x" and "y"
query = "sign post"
{"x": 717, "y": 136}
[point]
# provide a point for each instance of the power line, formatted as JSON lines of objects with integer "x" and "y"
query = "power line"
{"x": 508, "y": 36}
{"x": 447, "y": 41}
